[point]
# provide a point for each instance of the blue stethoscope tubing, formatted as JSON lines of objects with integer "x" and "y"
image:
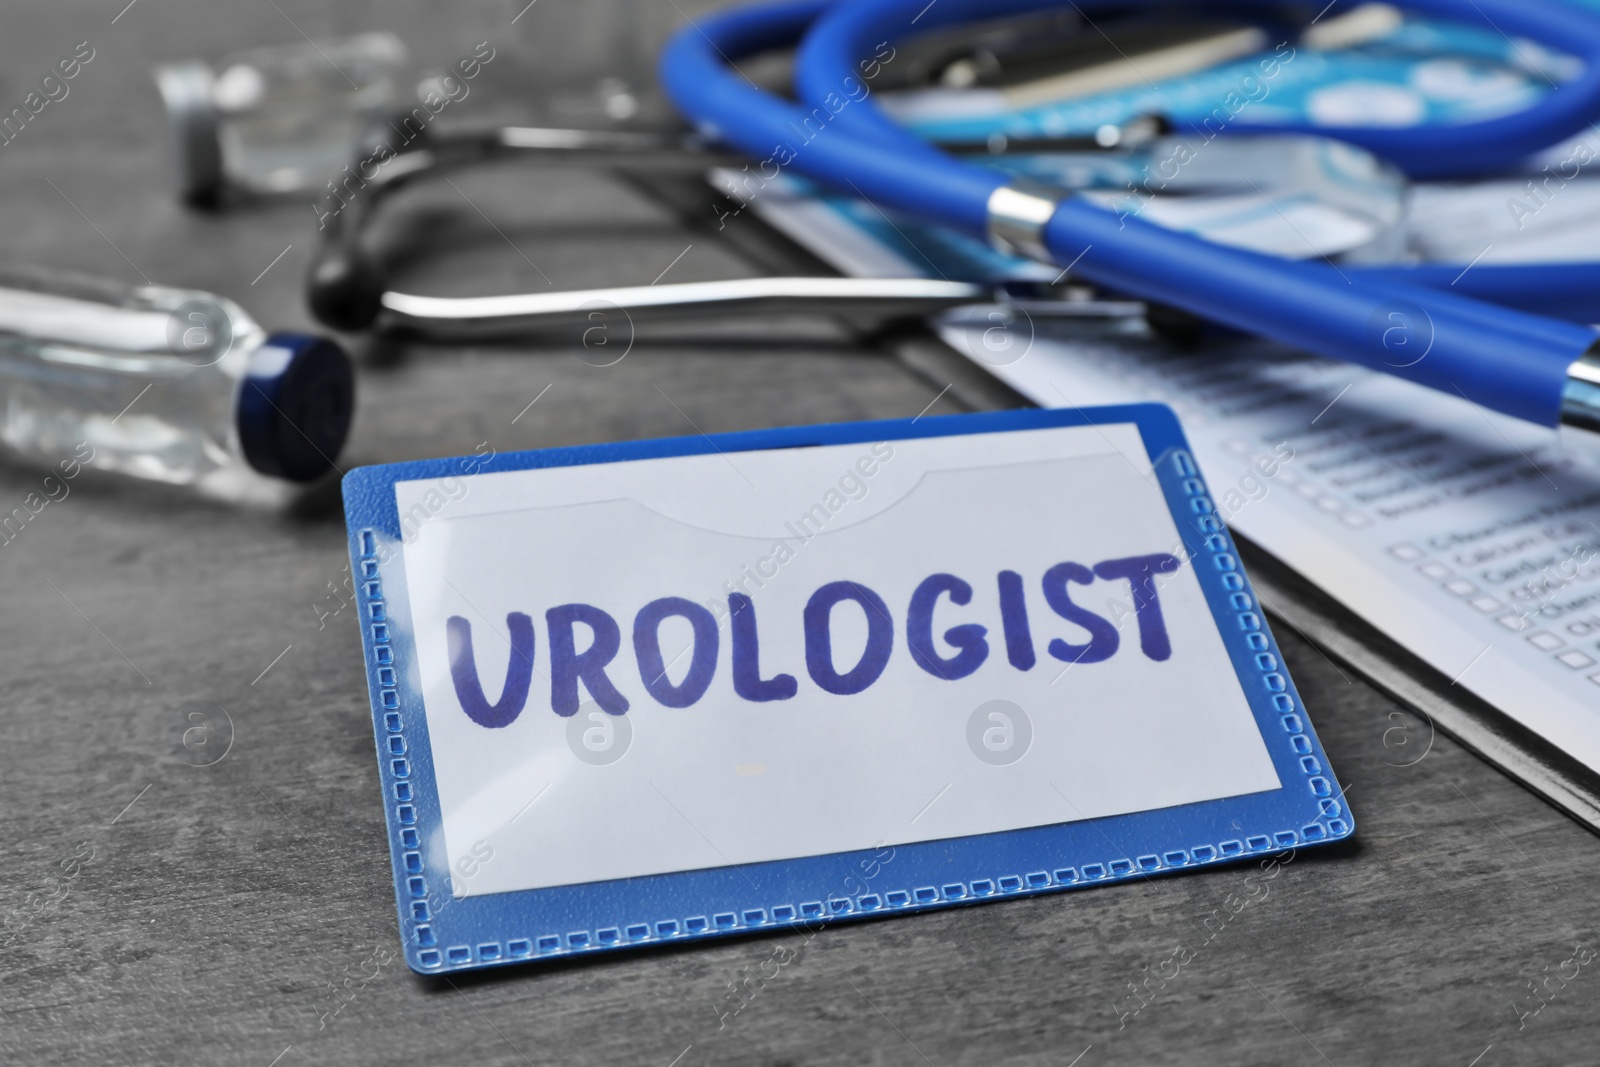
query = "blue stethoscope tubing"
{"x": 1507, "y": 360}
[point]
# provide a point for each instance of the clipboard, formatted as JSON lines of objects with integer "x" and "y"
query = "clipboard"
{"x": 661, "y": 691}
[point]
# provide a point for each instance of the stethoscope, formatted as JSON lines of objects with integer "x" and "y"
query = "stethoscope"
{"x": 1450, "y": 337}
{"x": 1532, "y": 367}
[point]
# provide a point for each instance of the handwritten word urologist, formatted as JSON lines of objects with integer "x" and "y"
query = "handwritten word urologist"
{"x": 966, "y": 646}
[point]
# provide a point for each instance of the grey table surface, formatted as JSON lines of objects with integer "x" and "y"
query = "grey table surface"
{"x": 242, "y": 913}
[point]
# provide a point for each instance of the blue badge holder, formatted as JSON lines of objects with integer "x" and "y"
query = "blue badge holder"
{"x": 443, "y": 933}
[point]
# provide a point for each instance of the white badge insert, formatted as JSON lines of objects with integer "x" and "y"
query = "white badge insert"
{"x": 727, "y": 780}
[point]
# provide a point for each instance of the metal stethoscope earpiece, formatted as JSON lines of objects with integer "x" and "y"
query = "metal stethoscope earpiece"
{"x": 346, "y": 286}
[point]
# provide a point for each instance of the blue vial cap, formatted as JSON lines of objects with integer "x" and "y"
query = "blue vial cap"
{"x": 295, "y": 405}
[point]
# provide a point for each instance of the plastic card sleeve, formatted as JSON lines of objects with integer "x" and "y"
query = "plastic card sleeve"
{"x": 668, "y": 690}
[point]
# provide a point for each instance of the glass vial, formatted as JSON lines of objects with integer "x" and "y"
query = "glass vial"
{"x": 162, "y": 383}
{"x": 277, "y": 119}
